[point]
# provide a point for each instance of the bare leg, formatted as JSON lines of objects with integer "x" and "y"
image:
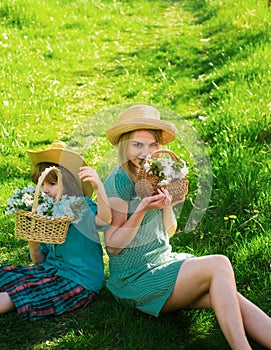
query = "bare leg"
{"x": 211, "y": 279}
{"x": 257, "y": 323}
{"x": 6, "y": 304}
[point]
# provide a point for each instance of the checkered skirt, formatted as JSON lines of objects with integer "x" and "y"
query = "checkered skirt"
{"x": 39, "y": 292}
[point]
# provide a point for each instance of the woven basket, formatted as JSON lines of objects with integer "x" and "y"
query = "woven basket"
{"x": 33, "y": 227}
{"x": 147, "y": 184}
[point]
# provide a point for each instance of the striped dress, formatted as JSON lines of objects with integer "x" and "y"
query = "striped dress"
{"x": 144, "y": 273}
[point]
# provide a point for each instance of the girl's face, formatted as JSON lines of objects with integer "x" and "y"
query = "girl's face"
{"x": 50, "y": 188}
{"x": 141, "y": 143}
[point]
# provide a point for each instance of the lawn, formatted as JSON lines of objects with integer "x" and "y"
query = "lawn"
{"x": 69, "y": 67}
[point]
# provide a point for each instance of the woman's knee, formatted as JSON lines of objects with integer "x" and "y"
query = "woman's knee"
{"x": 222, "y": 264}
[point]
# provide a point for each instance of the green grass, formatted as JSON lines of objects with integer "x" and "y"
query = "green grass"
{"x": 67, "y": 68}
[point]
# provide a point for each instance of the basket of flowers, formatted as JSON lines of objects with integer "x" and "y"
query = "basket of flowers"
{"x": 41, "y": 218}
{"x": 158, "y": 171}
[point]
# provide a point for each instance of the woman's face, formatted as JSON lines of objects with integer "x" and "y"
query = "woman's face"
{"x": 141, "y": 143}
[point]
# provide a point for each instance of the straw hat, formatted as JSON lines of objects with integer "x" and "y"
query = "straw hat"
{"x": 140, "y": 117}
{"x": 59, "y": 153}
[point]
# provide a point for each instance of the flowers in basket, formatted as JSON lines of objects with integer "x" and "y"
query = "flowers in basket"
{"x": 167, "y": 169}
{"x": 159, "y": 171}
{"x": 70, "y": 206}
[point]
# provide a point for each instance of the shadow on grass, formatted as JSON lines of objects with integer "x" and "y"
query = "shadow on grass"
{"x": 102, "y": 325}
{"x": 107, "y": 325}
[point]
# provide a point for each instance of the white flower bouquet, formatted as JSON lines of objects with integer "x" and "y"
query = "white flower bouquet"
{"x": 157, "y": 171}
{"x": 23, "y": 199}
{"x": 42, "y": 218}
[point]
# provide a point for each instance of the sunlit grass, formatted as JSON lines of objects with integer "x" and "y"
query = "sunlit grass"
{"x": 67, "y": 67}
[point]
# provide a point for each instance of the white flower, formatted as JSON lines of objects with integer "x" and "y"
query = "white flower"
{"x": 166, "y": 168}
{"x": 10, "y": 201}
{"x": 71, "y": 206}
{"x": 163, "y": 183}
{"x": 147, "y": 167}
{"x": 27, "y": 199}
{"x": 184, "y": 171}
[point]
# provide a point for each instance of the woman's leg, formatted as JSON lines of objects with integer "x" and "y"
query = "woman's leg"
{"x": 6, "y": 304}
{"x": 211, "y": 279}
{"x": 257, "y": 323}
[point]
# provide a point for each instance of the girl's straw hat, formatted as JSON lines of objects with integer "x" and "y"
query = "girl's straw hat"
{"x": 59, "y": 153}
{"x": 140, "y": 117}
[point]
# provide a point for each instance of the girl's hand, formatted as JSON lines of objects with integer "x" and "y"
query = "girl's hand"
{"x": 88, "y": 174}
{"x": 35, "y": 254}
{"x": 34, "y": 245}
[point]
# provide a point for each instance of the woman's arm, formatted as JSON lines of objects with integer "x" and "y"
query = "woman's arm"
{"x": 122, "y": 230}
{"x": 169, "y": 220}
{"x": 35, "y": 254}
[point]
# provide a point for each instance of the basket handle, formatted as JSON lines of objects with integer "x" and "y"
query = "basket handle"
{"x": 40, "y": 182}
{"x": 172, "y": 154}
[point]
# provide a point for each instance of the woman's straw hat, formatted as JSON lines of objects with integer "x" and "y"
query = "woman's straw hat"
{"x": 140, "y": 117}
{"x": 59, "y": 153}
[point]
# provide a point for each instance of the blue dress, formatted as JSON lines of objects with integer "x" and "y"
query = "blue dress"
{"x": 144, "y": 273}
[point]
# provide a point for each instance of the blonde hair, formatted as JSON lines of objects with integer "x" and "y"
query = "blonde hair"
{"x": 71, "y": 186}
{"x": 123, "y": 146}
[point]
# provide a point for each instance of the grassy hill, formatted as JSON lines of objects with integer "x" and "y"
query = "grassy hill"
{"x": 68, "y": 67}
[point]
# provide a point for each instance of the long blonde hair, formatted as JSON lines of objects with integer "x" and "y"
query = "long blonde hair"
{"x": 123, "y": 146}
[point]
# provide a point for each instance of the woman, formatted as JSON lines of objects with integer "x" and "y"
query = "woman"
{"x": 144, "y": 272}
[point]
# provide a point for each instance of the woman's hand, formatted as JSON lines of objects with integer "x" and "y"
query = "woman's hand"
{"x": 158, "y": 201}
{"x": 168, "y": 197}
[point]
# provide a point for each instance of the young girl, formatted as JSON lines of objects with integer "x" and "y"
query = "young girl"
{"x": 144, "y": 272}
{"x": 64, "y": 276}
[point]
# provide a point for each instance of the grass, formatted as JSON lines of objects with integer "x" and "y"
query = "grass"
{"x": 68, "y": 67}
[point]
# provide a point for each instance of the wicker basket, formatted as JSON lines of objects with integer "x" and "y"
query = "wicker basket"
{"x": 147, "y": 184}
{"x": 33, "y": 227}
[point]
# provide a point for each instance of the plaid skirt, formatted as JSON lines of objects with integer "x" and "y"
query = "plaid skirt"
{"x": 38, "y": 292}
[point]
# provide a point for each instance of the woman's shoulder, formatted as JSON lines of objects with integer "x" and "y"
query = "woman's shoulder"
{"x": 119, "y": 184}
{"x": 118, "y": 175}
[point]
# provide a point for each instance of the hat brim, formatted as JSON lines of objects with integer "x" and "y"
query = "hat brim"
{"x": 168, "y": 129}
{"x": 68, "y": 159}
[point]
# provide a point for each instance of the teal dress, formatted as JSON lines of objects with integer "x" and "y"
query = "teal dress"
{"x": 144, "y": 273}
